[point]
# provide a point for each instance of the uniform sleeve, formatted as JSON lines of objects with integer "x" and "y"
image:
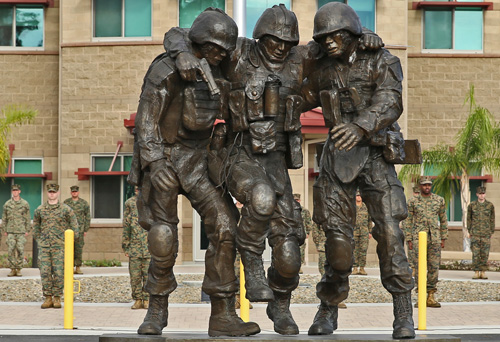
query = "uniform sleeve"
{"x": 469, "y": 218}
{"x": 87, "y": 217}
{"x": 73, "y": 222}
{"x": 492, "y": 219}
{"x": 443, "y": 220}
{"x": 4, "y": 219}
{"x": 308, "y": 224}
{"x": 36, "y": 224}
{"x": 27, "y": 219}
{"x": 126, "y": 228}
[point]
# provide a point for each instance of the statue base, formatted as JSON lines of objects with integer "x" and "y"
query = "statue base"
{"x": 199, "y": 337}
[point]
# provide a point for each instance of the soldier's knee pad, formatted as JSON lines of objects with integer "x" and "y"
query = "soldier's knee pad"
{"x": 263, "y": 199}
{"x": 163, "y": 243}
{"x": 286, "y": 258}
{"x": 339, "y": 253}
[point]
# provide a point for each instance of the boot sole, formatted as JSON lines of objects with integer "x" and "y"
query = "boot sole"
{"x": 216, "y": 333}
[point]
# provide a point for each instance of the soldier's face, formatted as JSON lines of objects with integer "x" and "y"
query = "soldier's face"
{"x": 481, "y": 197}
{"x": 337, "y": 44}
{"x": 274, "y": 49}
{"x": 75, "y": 194}
{"x": 425, "y": 189}
{"x": 15, "y": 193}
{"x": 416, "y": 194}
{"x": 213, "y": 53}
{"x": 52, "y": 195}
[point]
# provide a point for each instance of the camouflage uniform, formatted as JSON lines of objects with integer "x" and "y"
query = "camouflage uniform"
{"x": 16, "y": 222}
{"x": 423, "y": 215}
{"x": 81, "y": 209}
{"x": 319, "y": 239}
{"x": 308, "y": 226}
{"x": 481, "y": 225}
{"x": 361, "y": 231}
{"x": 135, "y": 244}
{"x": 406, "y": 227}
{"x": 50, "y": 221}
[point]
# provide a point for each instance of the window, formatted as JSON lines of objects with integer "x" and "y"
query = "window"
{"x": 189, "y": 10}
{"x": 31, "y": 188}
{"x": 255, "y": 9}
{"x": 122, "y": 18}
{"x": 109, "y": 193}
{"x": 21, "y": 26}
{"x": 364, "y": 8}
{"x": 457, "y": 28}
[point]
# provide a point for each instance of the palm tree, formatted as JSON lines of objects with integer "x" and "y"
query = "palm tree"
{"x": 477, "y": 149}
{"x": 12, "y": 115}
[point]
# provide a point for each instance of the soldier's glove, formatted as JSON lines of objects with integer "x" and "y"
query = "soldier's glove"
{"x": 348, "y": 135}
{"x": 188, "y": 66}
{"x": 162, "y": 176}
{"x": 370, "y": 41}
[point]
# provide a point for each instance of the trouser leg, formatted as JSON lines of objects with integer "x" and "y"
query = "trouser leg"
{"x": 58, "y": 271}
{"x": 79, "y": 250}
{"x": 46, "y": 271}
{"x": 433, "y": 262}
{"x": 134, "y": 267}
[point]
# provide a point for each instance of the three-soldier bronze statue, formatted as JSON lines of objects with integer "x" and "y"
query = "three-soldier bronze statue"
{"x": 259, "y": 87}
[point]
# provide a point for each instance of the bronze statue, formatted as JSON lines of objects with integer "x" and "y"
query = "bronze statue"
{"x": 360, "y": 92}
{"x": 174, "y": 124}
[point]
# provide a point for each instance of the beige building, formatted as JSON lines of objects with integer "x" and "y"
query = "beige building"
{"x": 81, "y": 65}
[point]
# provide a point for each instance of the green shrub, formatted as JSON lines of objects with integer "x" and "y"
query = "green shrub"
{"x": 102, "y": 263}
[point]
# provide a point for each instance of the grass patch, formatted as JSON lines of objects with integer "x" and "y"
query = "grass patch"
{"x": 102, "y": 263}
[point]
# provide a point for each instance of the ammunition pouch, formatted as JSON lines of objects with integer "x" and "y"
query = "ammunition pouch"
{"x": 294, "y": 105}
{"x": 255, "y": 100}
{"x": 331, "y": 107}
{"x": 263, "y": 136}
{"x": 237, "y": 109}
{"x": 349, "y": 100}
{"x": 200, "y": 110}
{"x": 225, "y": 88}
{"x": 294, "y": 157}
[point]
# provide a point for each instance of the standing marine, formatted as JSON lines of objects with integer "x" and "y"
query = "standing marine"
{"x": 174, "y": 124}
{"x": 16, "y": 224}
{"x": 362, "y": 235}
{"x": 81, "y": 209}
{"x": 361, "y": 95}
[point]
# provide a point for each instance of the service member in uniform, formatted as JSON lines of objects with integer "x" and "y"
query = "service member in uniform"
{"x": 16, "y": 224}
{"x": 480, "y": 225}
{"x": 412, "y": 257}
{"x": 308, "y": 226}
{"x": 362, "y": 234}
{"x": 135, "y": 246}
{"x": 81, "y": 209}
{"x": 427, "y": 213}
{"x": 50, "y": 222}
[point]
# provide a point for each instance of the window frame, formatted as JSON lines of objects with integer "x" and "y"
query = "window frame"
{"x": 452, "y": 50}
{"x": 123, "y": 180}
{"x": 179, "y": 12}
{"x": 122, "y": 38}
{"x": 24, "y": 48}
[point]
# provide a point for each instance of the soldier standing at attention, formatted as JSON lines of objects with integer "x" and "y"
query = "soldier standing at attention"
{"x": 135, "y": 246}
{"x": 362, "y": 233}
{"x": 50, "y": 221}
{"x": 16, "y": 223}
{"x": 308, "y": 226}
{"x": 423, "y": 215}
{"x": 480, "y": 225}
{"x": 82, "y": 211}
{"x": 412, "y": 257}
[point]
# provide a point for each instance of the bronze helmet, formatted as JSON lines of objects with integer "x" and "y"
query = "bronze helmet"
{"x": 336, "y": 16}
{"x": 278, "y": 22}
{"x": 214, "y": 26}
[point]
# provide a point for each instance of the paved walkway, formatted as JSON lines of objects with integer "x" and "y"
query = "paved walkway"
{"x": 90, "y": 319}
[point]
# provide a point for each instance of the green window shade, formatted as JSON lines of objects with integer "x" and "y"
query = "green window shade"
{"x": 29, "y": 26}
{"x": 108, "y": 18}
{"x": 438, "y": 29}
{"x": 31, "y": 188}
{"x": 6, "y": 21}
{"x": 324, "y": 2}
{"x": 364, "y": 8}
{"x": 27, "y": 166}
{"x": 190, "y": 9}
{"x": 255, "y": 8}
{"x": 103, "y": 164}
{"x": 137, "y": 18}
{"x": 468, "y": 28}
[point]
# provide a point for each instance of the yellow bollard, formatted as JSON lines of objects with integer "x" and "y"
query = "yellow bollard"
{"x": 69, "y": 238}
{"x": 422, "y": 281}
{"x": 244, "y": 303}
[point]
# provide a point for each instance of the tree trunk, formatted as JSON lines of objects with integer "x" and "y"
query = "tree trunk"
{"x": 465, "y": 195}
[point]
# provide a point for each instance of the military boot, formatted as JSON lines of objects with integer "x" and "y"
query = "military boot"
{"x": 483, "y": 275}
{"x": 57, "y": 302}
{"x": 47, "y": 303}
{"x": 431, "y": 301}
{"x": 78, "y": 270}
{"x": 145, "y": 304}
{"x": 403, "y": 316}
{"x": 342, "y": 305}
{"x": 157, "y": 317}
{"x": 137, "y": 305}
{"x": 279, "y": 312}
{"x": 255, "y": 278}
{"x": 355, "y": 271}
{"x": 476, "y": 275}
{"x": 18, "y": 273}
{"x": 224, "y": 321}
{"x": 325, "y": 321}
{"x": 362, "y": 271}
{"x": 12, "y": 273}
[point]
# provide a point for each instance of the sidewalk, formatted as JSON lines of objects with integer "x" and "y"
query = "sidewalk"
{"x": 97, "y": 319}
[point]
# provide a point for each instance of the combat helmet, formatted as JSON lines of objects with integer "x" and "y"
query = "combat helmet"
{"x": 336, "y": 16}
{"x": 278, "y": 22}
{"x": 214, "y": 26}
